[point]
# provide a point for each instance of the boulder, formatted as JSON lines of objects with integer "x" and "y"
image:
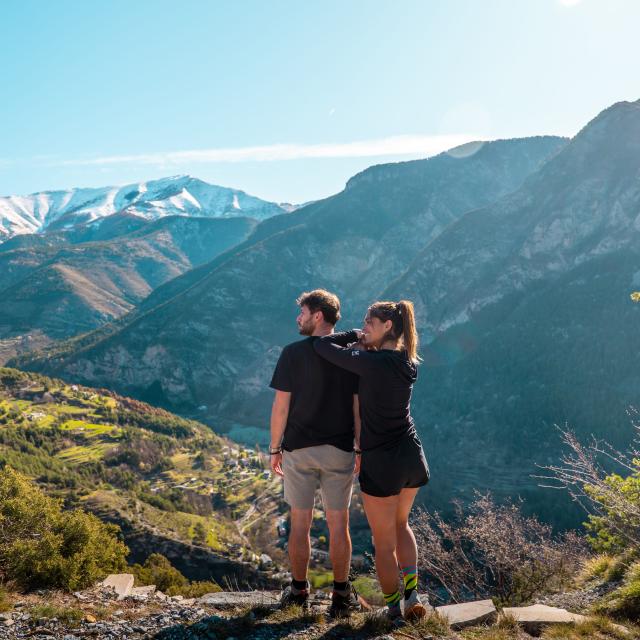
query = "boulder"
{"x": 230, "y": 599}
{"x": 121, "y": 583}
{"x": 468, "y": 613}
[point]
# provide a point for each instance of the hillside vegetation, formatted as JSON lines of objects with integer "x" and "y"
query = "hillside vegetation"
{"x": 140, "y": 466}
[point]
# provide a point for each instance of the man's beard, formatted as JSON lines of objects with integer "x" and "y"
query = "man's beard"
{"x": 307, "y": 328}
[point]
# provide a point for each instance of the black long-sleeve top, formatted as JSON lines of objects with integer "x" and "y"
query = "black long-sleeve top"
{"x": 386, "y": 380}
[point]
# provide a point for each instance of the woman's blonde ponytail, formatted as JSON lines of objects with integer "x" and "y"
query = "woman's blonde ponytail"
{"x": 409, "y": 332}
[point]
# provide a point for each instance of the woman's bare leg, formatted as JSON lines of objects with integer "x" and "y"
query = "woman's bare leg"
{"x": 406, "y": 548}
{"x": 381, "y": 514}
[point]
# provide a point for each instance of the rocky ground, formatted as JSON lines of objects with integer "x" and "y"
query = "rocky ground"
{"x": 122, "y": 611}
{"x": 579, "y": 600}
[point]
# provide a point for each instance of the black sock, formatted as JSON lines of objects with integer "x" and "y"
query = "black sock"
{"x": 299, "y": 584}
{"x": 340, "y": 586}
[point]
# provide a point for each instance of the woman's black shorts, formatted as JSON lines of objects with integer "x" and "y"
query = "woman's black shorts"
{"x": 385, "y": 471}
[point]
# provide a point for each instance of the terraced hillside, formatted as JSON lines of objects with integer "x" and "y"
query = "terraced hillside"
{"x": 171, "y": 484}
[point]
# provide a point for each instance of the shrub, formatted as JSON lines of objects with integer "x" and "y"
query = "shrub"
{"x": 612, "y": 501}
{"x": 42, "y": 546}
{"x": 617, "y": 522}
{"x": 158, "y": 570}
{"x": 494, "y": 549}
{"x": 624, "y": 602}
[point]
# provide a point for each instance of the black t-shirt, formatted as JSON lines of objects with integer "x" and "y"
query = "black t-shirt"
{"x": 321, "y": 407}
{"x": 386, "y": 379}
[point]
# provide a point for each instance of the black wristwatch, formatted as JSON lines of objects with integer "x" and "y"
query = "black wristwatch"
{"x": 275, "y": 451}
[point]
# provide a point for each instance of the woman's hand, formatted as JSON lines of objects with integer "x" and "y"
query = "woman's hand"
{"x": 359, "y": 345}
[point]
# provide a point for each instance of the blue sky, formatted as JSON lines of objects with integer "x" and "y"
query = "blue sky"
{"x": 287, "y": 100}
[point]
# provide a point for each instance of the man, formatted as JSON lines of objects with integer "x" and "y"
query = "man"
{"x": 315, "y": 429}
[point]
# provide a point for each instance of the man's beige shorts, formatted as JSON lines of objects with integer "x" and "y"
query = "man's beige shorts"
{"x": 324, "y": 466}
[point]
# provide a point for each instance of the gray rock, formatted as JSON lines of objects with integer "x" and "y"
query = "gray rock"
{"x": 535, "y": 617}
{"x": 143, "y": 591}
{"x": 265, "y": 560}
{"x": 121, "y": 583}
{"x": 230, "y": 599}
{"x": 468, "y": 613}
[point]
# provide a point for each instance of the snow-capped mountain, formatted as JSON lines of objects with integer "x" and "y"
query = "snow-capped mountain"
{"x": 176, "y": 195}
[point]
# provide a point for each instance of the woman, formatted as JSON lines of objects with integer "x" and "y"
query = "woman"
{"x": 393, "y": 464}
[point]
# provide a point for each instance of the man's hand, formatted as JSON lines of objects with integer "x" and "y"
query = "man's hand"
{"x": 276, "y": 464}
{"x": 279, "y": 414}
{"x": 356, "y": 466}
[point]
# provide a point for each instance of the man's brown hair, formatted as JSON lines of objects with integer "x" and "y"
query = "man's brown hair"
{"x": 321, "y": 300}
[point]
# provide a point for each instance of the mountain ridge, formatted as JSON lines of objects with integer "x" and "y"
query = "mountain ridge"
{"x": 174, "y": 195}
{"x": 58, "y": 284}
{"x": 345, "y": 234}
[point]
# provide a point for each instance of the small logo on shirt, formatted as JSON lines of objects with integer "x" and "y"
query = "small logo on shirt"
{"x": 355, "y": 353}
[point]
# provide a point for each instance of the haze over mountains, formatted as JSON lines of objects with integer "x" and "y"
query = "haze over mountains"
{"x": 520, "y": 256}
{"x": 58, "y": 285}
{"x": 76, "y": 259}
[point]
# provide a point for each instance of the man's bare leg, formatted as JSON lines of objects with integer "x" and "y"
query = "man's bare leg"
{"x": 300, "y": 542}
{"x": 339, "y": 543}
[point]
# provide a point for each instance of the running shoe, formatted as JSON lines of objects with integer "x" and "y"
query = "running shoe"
{"x": 414, "y": 609}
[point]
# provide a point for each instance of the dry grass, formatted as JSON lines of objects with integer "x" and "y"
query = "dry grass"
{"x": 5, "y": 600}
{"x": 492, "y": 633}
{"x": 595, "y": 567}
{"x": 597, "y": 628}
{"x": 71, "y": 616}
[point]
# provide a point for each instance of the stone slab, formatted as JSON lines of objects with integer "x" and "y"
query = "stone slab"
{"x": 121, "y": 583}
{"x": 466, "y": 614}
{"x": 536, "y": 616}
